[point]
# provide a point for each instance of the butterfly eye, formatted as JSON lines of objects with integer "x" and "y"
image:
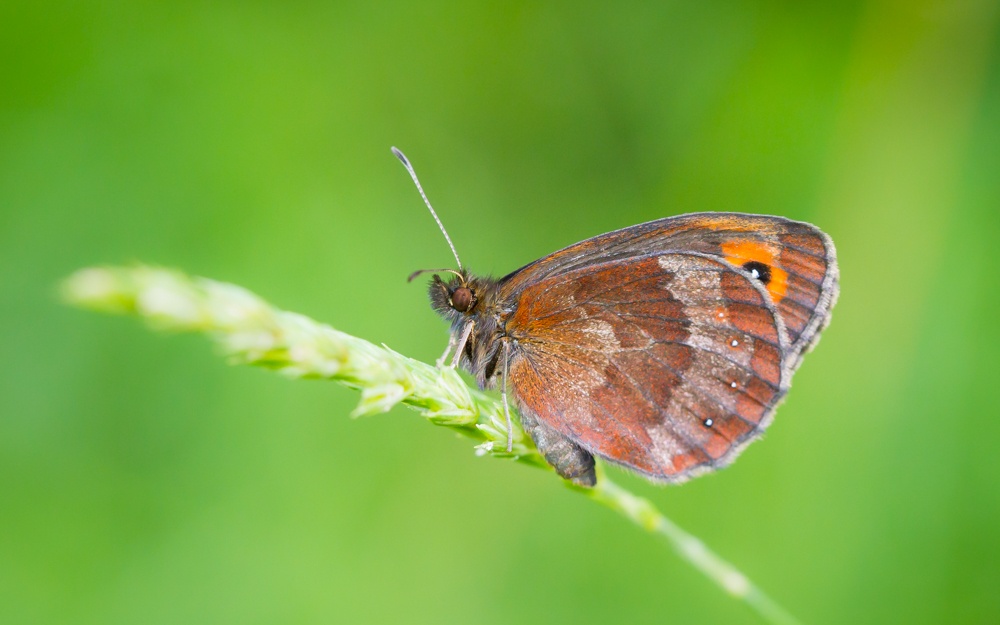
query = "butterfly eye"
{"x": 461, "y": 299}
{"x": 759, "y": 270}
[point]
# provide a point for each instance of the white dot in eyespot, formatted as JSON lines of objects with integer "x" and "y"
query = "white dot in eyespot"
{"x": 755, "y": 274}
{"x": 735, "y": 343}
{"x": 709, "y": 422}
{"x": 733, "y": 385}
{"x": 721, "y": 315}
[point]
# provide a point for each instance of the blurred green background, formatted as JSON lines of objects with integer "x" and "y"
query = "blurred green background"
{"x": 143, "y": 481}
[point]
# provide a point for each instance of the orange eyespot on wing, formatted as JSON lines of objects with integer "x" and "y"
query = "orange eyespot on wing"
{"x": 760, "y": 260}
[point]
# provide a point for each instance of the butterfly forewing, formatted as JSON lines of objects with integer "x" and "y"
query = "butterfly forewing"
{"x": 798, "y": 260}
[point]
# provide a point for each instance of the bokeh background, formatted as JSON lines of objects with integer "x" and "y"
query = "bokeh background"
{"x": 143, "y": 481}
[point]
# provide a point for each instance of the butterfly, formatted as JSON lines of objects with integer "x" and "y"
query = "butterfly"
{"x": 664, "y": 347}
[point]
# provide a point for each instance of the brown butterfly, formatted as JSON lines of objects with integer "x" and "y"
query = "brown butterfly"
{"x": 664, "y": 347}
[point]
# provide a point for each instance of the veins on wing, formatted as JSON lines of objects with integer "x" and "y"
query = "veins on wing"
{"x": 666, "y": 416}
{"x": 592, "y": 295}
{"x": 562, "y": 355}
{"x": 675, "y": 429}
{"x": 702, "y": 392}
{"x": 565, "y": 358}
{"x": 721, "y": 354}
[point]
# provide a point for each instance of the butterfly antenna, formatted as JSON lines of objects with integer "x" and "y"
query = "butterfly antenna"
{"x": 413, "y": 174}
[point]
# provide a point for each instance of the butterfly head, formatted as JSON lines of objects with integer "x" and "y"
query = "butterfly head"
{"x": 455, "y": 297}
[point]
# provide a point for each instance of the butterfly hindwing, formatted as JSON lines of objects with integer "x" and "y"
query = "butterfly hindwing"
{"x": 666, "y": 364}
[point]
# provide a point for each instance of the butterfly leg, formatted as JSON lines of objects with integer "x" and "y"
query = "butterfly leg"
{"x": 451, "y": 343}
{"x": 571, "y": 462}
{"x": 461, "y": 344}
{"x": 503, "y": 393}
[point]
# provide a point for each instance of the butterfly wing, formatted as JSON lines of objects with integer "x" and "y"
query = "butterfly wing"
{"x": 664, "y": 353}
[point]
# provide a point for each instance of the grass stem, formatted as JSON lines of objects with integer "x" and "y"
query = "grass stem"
{"x": 250, "y": 331}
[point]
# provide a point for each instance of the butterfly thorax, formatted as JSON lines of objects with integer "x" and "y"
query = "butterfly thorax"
{"x": 473, "y": 299}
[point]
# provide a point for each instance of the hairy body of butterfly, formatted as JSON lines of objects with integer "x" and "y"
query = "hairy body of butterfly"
{"x": 664, "y": 348}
